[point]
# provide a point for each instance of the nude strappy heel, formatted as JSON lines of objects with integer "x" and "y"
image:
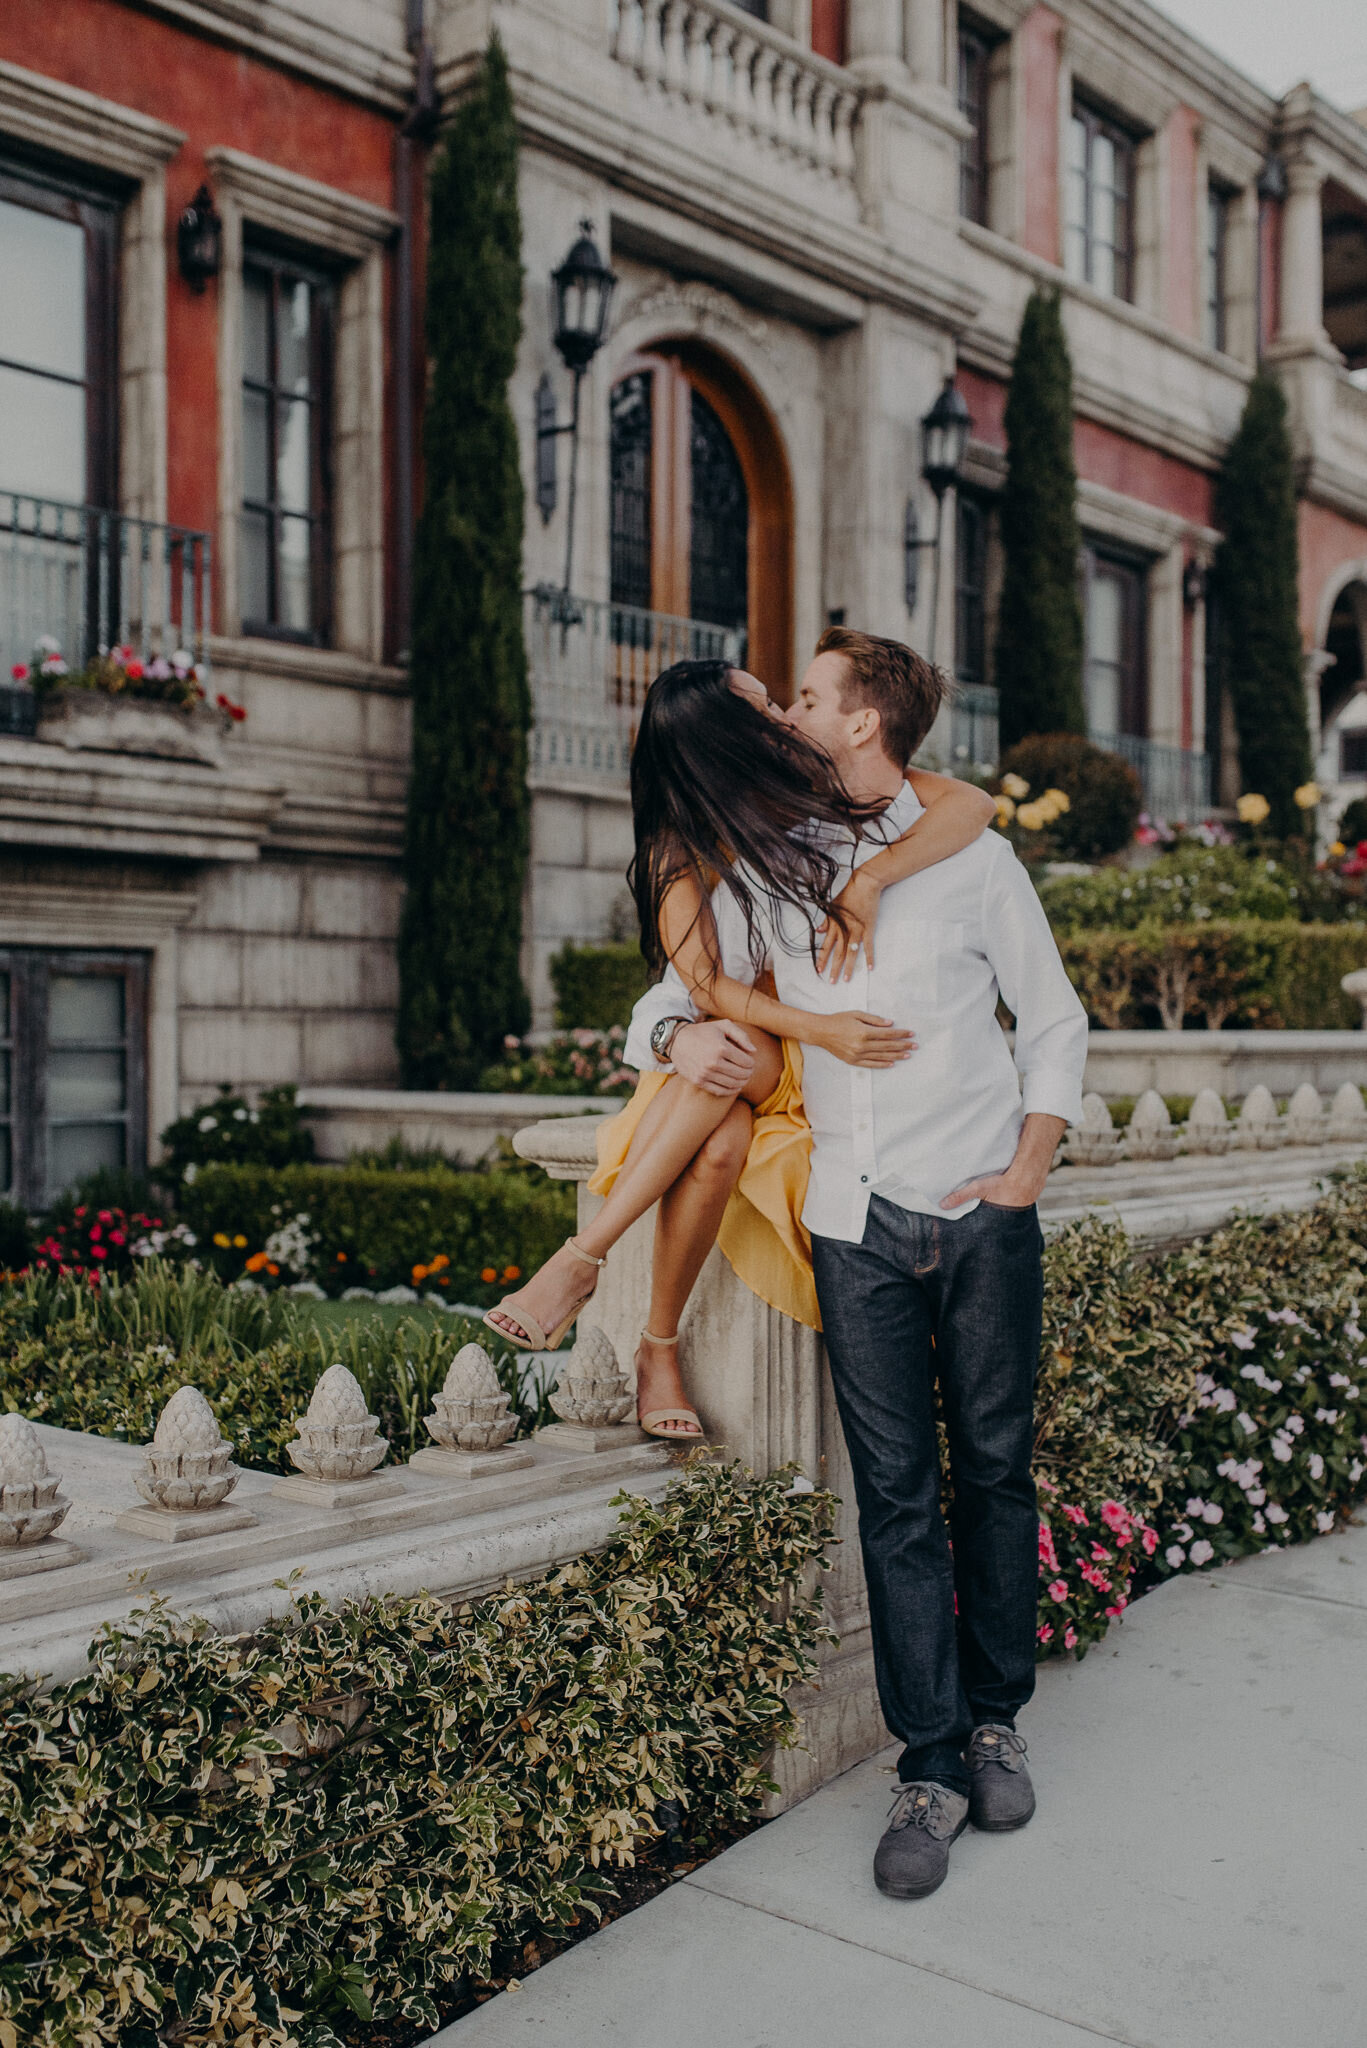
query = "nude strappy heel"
{"x": 536, "y": 1338}
{"x": 650, "y": 1422}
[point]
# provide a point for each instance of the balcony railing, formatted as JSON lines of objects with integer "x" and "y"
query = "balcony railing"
{"x": 91, "y": 580}
{"x": 973, "y": 739}
{"x": 1177, "y": 782}
{"x": 590, "y": 665}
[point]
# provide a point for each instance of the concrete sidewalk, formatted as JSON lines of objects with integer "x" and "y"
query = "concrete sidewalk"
{"x": 1196, "y": 1875}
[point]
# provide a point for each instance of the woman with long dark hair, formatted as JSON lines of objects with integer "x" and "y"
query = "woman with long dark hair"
{"x": 725, "y": 794}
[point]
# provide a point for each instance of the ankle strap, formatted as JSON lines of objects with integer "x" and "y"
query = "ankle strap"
{"x": 651, "y": 1338}
{"x": 580, "y": 1253}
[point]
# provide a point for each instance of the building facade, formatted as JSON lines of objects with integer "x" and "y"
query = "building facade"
{"x": 816, "y": 211}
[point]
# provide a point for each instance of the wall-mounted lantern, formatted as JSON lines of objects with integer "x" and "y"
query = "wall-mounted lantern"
{"x": 1193, "y": 584}
{"x": 581, "y": 300}
{"x": 199, "y": 240}
{"x": 944, "y": 443}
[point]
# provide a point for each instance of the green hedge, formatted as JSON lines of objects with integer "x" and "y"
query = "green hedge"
{"x": 1196, "y": 884}
{"x": 363, "y": 1226}
{"x": 1254, "y": 972}
{"x": 597, "y": 986}
{"x": 353, "y": 1814}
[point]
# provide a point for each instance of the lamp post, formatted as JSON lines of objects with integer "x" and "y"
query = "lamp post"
{"x": 581, "y": 299}
{"x": 944, "y": 440}
{"x": 199, "y": 240}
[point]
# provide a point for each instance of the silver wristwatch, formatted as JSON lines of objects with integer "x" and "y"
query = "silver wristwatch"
{"x": 662, "y": 1036}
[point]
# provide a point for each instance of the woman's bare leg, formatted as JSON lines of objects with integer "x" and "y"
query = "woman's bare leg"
{"x": 673, "y": 1129}
{"x": 686, "y": 1226}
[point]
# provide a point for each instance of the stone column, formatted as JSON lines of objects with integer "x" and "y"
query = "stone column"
{"x": 875, "y": 30}
{"x": 1302, "y": 265}
{"x": 760, "y": 1385}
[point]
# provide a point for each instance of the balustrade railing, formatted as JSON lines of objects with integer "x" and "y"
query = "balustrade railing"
{"x": 739, "y": 71}
{"x": 1176, "y": 781}
{"x": 590, "y": 664}
{"x": 90, "y": 580}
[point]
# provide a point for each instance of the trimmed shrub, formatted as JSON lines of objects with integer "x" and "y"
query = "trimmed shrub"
{"x": 229, "y": 1132}
{"x": 1103, "y": 792}
{"x": 1255, "y": 586}
{"x": 352, "y": 1814}
{"x": 572, "y": 1063}
{"x": 1250, "y": 973}
{"x": 1352, "y": 825}
{"x": 597, "y": 986}
{"x": 1038, "y": 656}
{"x": 1186, "y": 887}
{"x": 471, "y": 1234}
{"x": 465, "y": 851}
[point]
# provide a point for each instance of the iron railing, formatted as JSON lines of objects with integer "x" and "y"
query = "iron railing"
{"x": 973, "y": 739}
{"x": 1176, "y": 781}
{"x": 590, "y": 664}
{"x": 92, "y": 580}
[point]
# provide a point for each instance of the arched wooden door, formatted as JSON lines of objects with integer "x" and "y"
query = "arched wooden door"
{"x": 701, "y": 503}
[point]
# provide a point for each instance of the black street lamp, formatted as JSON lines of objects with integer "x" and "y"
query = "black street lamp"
{"x": 581, "y": 300}
{"x": 944, "y": 442}
{"x": 199, "y": 240}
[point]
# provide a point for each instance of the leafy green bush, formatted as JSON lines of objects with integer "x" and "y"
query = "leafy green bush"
{"x": 1352, "y": 824}
{"x": 16, "y": 1238}
{"x": 597, "y": 985}
{"x": 1196, "y": 885}
{"x": 1103, "y": 792}
{"x": 229, "y": 1132}
{"x": 335, "y": 1227}
{"x": 1280, "y": 976}
{"x": 571, "y": 1063}
{"x": 352, "y": 1812}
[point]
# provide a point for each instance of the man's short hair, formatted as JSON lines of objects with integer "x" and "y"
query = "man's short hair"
{"x": 900, "y": 685}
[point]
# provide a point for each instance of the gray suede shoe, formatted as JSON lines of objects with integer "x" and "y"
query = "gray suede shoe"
{"x": 911, "y": 1860}
{"x": 1002, "y": 1797}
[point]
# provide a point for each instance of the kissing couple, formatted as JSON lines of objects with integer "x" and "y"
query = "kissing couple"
{"x": 872, "y": 1172}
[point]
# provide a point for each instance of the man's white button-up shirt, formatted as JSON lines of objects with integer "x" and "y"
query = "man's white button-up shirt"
{"x": 949, "y": 940}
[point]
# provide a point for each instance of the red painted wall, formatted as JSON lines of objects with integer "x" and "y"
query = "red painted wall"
{"x": 1184, "y": 254}
{"x": 221, "y": 99}
{"x": 1038, "y": 41}
{"x": 1328, "y": 542}
{"x": 828, "y": 29}
{"x": 1269, "y": 270}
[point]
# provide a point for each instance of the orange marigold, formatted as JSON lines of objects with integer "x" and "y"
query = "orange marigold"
{"x": 489, "y": 1274}
{"x": 256, "y": 1262}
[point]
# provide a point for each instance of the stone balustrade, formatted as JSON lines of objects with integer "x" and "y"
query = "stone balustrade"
{"x": 734, "y": 71}
{"x": 1258, "y": 1126}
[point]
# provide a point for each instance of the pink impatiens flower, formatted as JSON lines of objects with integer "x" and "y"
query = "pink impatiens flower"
{"x": 1059, "y": 1590}
{"x": 1076, "y": 1516}
{"x": 1070, "y": 1638}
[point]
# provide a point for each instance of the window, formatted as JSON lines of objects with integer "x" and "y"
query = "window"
{"x": 1114, "y": 678}
{"x": 975, "y": 51}
{"x": 719, "y": 564}
{"x": 1352, "y": 756}
{"x": 970, "y": 589}
{"x": 631, "y": 484}
{"x": 1217, "y": 223}
{"x": 286, "y": 448}
{"x": 58, "y": 401}
{"x": 73, "y": 1090}
{"x": 1098, "y": 224}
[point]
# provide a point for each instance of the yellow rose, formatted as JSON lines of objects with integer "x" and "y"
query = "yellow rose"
{"x": 1015, "y": 786}
{"x": 1060, "y": 799}
{"x": 1337, "y": 849}
{"x": 1308, "y": 796}
{"x": 1006, "y": 810}
{"x": 1253, "y": 809}
{"x": 1032, "y": 816}
{"x": 1046, "y": 807}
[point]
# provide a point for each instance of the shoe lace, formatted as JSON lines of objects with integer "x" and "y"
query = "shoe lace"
{"x": 922, "y": 1805}
{"x": 993, "y": 1745}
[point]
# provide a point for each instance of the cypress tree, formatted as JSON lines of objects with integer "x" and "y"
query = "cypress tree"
{"x": 1039, "y": 629}
{"x": 1256, "y": 576}
{"x": 466, "y": 845}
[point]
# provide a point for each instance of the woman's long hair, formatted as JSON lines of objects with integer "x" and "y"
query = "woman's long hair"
{"x": 718, "y": 789}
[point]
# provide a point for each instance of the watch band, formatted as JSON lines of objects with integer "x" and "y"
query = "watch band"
{"x": 663, "y": 1035}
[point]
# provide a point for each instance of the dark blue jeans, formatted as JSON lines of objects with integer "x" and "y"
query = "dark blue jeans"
{"x": 958, "y": 1300}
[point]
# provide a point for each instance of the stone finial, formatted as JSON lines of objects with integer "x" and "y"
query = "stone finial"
{"x": 472, "y": 1412}
{"x": 1207, "y": 1128}
{"x": 1259, "y": 1124}
{"x": 1149, "y": 1133}
{"x": 30, "y": 1505}
{"x": 1095, "y": 1141}
{"x": 338, "y": 1439}
{"x": 189, "y": 1461}
{"x": 1355, "y": 984}
{"x": 1305, "y": 1117}
{"x": 592, "y": 1390}
{"x": 1348, "y": 1115}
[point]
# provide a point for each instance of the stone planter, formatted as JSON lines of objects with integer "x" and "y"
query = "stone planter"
{"x": 91, "y": 721}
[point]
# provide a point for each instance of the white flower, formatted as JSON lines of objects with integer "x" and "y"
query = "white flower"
{"x": 1202, "y": 1552}
{"x": 1294, "y": 1424}
{"x": 1224, "y": 1400}
{"x": 1338, "y": 1379}
{"x": 208, "y": 1123}
{"x": 1245, "y": 1421}
{"x": 246, "y": 1285}
{"x": 1324, "y": 1521}
{"x": 1260, "y": 1526}
{"x": 1326, "y": 1415}
{"x": 1175, "y": 1556}
{"x": 191, "y": 1174}
{"x": 358, "y": 1294}
{"x": 239, "y": 1116}
{"x": 308, "y": 1287}
{"x": 1275, "y": 1513}
{"x": 1212, "y": 1513}
{"x": 801, "y": 1485}
{"x": 1183, "y": 1532}
{"x": 398, "y": 1294}
{"x": 1196, "y": 1507}
{"x": 1243, "y": 1340}
{"x": 1281, "y": 1450}
{"x": 1316, "y": 1465}
{"x": 1255, "y": 1496}
{"x": 1355, "y": 1470}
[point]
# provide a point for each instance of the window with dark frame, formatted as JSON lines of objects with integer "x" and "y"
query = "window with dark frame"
{"x": 286, "y": 551}
{"x": 1217, "y": 225}
{"x": 1353, "y": 755}
{"x": 970, "y": 588}
{"x": 631, "y": 458}
{"x": 1098, "y": 228}
{"x": 58, "y": 336}
{"x": 74, "y": 1070}
{"x": 975, "y": 53}
{"x": 1115, "y": 672}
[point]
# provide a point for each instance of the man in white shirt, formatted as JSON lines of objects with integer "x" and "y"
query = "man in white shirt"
{"x": 926, "y": 1246}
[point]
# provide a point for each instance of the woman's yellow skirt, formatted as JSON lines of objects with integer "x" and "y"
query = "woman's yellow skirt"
{"x": 762, "y": 1233}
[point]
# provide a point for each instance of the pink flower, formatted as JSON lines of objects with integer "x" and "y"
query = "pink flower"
{"x": 1095, "y": 1578}
{"x": 1045, "y": 1633}
{"x": 1076, "y": 1517}
{"x": 1047, "y": 1553}
{"x": 1070, "y": 1638}
{"x": 20, "y": 672}
{"x": 1059, "y": 1590}
{"x": 1100, "y": 1554}
{"x": 1149, "y": 1540}
{"x": 1121, "y": 1604}
{"x": 1115, "y": 1517}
